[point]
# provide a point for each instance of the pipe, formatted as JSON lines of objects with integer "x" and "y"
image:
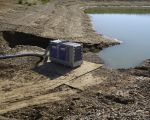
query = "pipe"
{"x": 21, "y": 55}
{"x": 42, "y": 56}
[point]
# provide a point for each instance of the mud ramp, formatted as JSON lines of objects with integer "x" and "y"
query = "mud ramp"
{"x": 38, "y": 93}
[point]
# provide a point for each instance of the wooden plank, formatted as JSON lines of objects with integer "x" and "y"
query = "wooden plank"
{"x": 63, "y": 75}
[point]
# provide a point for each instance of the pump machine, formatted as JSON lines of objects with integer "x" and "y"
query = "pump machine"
{"x": 63, "y": 52}
{"x": 66, "y": 53}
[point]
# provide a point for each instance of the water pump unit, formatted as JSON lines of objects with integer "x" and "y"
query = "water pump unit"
{"x": 66, "y": 53}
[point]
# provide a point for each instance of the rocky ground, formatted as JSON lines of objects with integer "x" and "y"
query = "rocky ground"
{"x": 120, "y": 96}
{"x": 26, "y": 92}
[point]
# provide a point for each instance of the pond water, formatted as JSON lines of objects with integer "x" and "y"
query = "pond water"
{"x": 132, "y": 29}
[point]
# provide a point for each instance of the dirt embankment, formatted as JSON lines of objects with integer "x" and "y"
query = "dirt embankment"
{"x": 142, "y": 70}
{"x": 46, "y": 92}
{"x": 55, "y": 20}
{"x": 120, "y": 95}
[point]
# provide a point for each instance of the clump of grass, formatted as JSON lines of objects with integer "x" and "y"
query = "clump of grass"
{"x": 118, "y": 10}
{"x": 32, "y": 2}
{"x": 27, "y": 2}
{"x": 20, "y": 1}
{"x": 44, "y": 1}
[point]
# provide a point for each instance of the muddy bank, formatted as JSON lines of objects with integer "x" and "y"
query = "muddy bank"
{"x": 120, "y": 96}
{"x": 10, "y": 39}
{"x": 55, "y": 20}
{"x": 142, "y": 70}
{"x": 100, "y": 94}
{"x": 110, "y": 99}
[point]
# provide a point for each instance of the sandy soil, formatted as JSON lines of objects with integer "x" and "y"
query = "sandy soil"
{"x": 100, "y": 94}
{"x": 45, "y": 91}
{"x": 55, "y": 20}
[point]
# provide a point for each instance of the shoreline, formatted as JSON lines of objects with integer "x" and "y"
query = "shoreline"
{"x": 29, "y": 92}
{"x": 118, "y": 7}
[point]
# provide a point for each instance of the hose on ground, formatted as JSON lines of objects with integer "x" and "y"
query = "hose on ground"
{"x": 42, "y": 56}
{"x": 21, "y": 55}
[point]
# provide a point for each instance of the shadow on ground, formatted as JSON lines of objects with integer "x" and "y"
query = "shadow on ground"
{"x": 18, "y": 38}
{"x": 52, "y": 70}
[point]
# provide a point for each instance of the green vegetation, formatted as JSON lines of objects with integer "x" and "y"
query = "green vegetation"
{"x": 116, "y": 105}
{"x": 106, "y": 3}
{"x": 118, "y": 10}
{"x": 44, "y": 1}
{"x": 32, "y": 2}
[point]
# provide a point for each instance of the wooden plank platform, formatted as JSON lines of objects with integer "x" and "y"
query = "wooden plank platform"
{"x": 56, "y": 76}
